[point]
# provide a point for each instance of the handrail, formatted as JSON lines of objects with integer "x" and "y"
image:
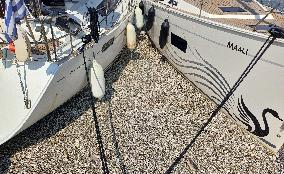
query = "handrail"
{"x": 109, "y": 12}
{"x": 53, "y": 40}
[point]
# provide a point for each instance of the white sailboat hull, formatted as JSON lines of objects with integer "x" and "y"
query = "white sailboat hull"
{"x": 215, "y": 56}
{"x": 52, "y": 84}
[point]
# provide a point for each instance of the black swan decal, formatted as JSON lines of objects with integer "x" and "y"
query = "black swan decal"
{"x": 247, "y": 117}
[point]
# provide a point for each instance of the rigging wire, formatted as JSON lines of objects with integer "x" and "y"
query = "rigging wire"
{"x": 275, "y": 33}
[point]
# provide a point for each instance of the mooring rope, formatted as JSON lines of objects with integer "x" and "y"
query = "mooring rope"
{"x": 251, "y": 65}
{"x": 115, "y": 142}
{"x": 98, "y": 132}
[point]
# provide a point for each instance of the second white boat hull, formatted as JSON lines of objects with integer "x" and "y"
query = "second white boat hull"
{"x": 214, "y": 55}
{"x": 50, "y": 84}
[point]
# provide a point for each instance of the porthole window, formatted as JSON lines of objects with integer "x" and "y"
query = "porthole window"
{"x": 178, "y": 42}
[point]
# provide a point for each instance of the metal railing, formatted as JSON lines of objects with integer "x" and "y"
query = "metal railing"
{"x": 48, "y": 20}
{"x": 53, "y": 40}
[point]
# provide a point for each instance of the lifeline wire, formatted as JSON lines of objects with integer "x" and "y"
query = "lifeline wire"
{"x": 98, "y": 132}
{"x": 256, "y": 58}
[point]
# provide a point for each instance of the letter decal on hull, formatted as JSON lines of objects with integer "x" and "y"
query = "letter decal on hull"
{"x": 237, "y": 48}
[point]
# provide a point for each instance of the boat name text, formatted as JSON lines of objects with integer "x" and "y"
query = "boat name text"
{"x": 235, "y": 47}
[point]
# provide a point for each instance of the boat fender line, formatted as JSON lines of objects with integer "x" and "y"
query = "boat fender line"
{"x": 139, "y": 18}
{"x": 97, "y": 80}
{"x": 142, "y": 7}
{"x": 130, "y": 37}
{"x": 164, "y": 33}
{"x": 97, "y": 127}
{"x": 275, "y": 32}
{"x": 150, "y": 18}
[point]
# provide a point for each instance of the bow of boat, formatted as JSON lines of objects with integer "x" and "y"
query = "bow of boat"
{"x": 22, "y": 86}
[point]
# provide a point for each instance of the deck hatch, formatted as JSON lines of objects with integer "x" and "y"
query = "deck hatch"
{"x": 178, "y": 42}
{"x": 232, "y": 9}
{"x": 260, "y": 27}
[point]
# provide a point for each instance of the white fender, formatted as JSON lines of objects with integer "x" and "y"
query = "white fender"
{"x": 22, "y": 46}
{"x": 130, "y": 36}
{"x": 139, "y": 18}
{"x": 97, "y": 80}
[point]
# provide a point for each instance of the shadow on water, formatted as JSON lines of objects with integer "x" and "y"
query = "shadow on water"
{"x": 65, "y": 115}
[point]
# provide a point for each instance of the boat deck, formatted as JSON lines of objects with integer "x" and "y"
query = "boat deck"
{"x": 210, "y": 6}
{"x": 249, "y": 24}
{"x": 246, "y": 19}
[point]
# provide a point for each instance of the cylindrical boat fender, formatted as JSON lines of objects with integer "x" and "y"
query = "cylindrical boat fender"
{"x": 164, "y": 33}
{"x": 142, "y": 7}
{"x": 130, "y": 37}
{"x": 97, "y": 80}
{"x": 150, "y": 18}
{"x": 139, "y": 18}
{"x": 22, "y": 46}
